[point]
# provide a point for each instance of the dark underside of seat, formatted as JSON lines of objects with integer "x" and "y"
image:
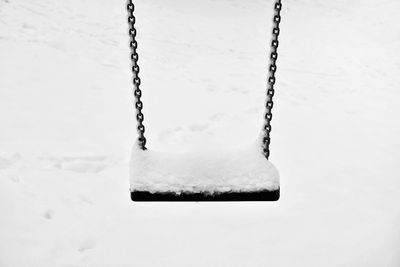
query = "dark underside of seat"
{"x": 145, "y": 196}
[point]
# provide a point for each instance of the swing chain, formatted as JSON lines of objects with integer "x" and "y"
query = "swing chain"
{"x": 136, "y": 80}
{"x": 271, "y": 77}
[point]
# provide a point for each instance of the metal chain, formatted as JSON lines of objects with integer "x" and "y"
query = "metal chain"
{"x": 136, "y": 80}
{"x": 271, "y": 79}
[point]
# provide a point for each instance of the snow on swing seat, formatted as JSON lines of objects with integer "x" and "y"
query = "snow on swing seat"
{"x": 242, "y": 174}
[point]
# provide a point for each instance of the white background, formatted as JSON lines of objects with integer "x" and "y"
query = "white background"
{"x": 67, "y": 127}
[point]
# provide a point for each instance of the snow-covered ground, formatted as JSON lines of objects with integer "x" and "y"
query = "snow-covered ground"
{"x": 67, "y": 129}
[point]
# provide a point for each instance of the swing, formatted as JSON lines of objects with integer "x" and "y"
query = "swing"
{"x": 242, "y": 175}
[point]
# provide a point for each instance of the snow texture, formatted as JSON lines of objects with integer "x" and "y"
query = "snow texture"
{"x": 243, "y": 170}
{"x": 67, "y": 127}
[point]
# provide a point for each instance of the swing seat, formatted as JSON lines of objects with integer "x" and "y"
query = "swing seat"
{"x": 240, "y": 175}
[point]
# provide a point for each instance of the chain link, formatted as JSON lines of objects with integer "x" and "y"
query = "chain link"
{"x": 136, "y": 80}
{"x": 271, "y": 79}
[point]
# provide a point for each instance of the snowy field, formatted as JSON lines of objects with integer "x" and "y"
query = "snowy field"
{"x": 67, "y": 129}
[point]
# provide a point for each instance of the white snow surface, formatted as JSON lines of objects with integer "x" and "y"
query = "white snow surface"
{"x": 241, "y": 170}
{"x": 67, "y": 126}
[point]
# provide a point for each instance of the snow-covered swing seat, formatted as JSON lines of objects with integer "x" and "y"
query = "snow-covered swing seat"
{"x": 240, "y": 175}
